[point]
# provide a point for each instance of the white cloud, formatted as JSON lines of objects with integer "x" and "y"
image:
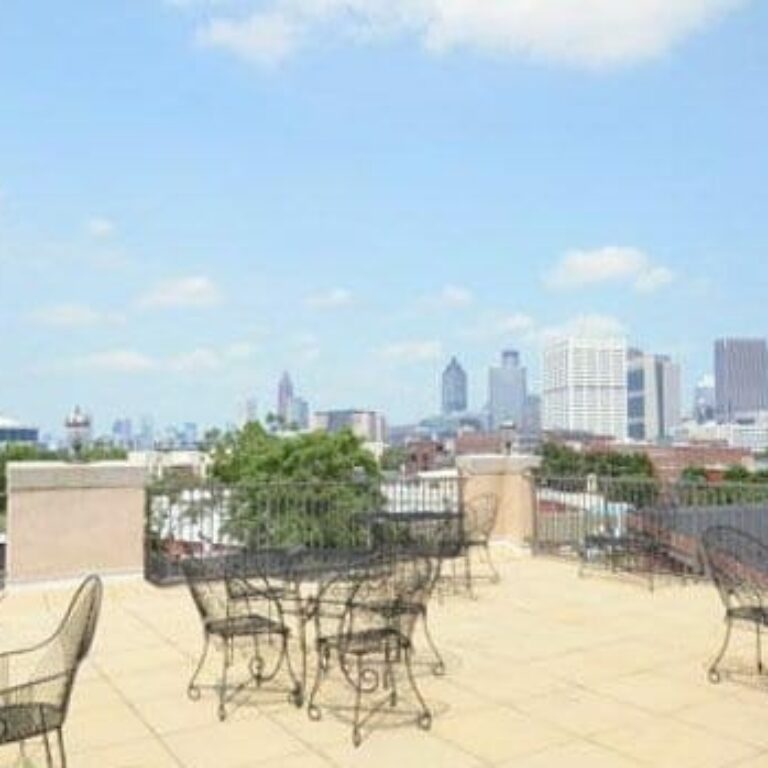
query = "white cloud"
{"x": 193, "y": 291}
{"x": 336, "y": 298}
{"x": 579, "y": 268}
{"x": 116, "y": 361}
{"x": 587, "y": 33}
{"x": 201, "y": 359}
{"x": 264, "y": 38}
{"x": 592, "y": 326}
{"x": 239, "y": 350}
{"x": 496, "y": 325}
{"x": 73, "y": 316}
{"x": 100, "y": 228}
{"x": 653, "y": 279}
{"x": 451, "y": 297}
{"x": 411, "y": 351}
{"x": 306, "y": 346}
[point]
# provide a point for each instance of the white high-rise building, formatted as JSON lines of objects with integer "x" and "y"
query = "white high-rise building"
{"x": 654, "y": 396}
{"x": 584, "y": 386}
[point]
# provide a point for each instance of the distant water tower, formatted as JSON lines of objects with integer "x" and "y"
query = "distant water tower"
{"x": 78, "y": 426}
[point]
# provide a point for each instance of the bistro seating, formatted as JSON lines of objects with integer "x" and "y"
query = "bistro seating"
{"x": 35, "y": 704}
{"x": 737, "y": 563}
{"x": 232, "y": 610}
{"x": 366, "y": 623}
{"x": 479, "y": 520}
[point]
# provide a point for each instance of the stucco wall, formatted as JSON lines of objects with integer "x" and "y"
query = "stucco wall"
{"x": 66, "y": 520}
{"x": 510, "y": 479}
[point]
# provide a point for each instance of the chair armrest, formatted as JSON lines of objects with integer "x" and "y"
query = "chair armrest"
{"x": 29, "y": 691}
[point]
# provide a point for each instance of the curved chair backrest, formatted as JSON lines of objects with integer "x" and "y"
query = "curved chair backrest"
{"x": 480, "y": 514}
{"x": 69, "y": 644}
{"x": 208, "y": 587}
{"x": 76, "y": 630}
{"x": 737, "y": 563}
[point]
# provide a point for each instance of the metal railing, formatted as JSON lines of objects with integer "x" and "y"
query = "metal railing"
{"x": 211, "y": 519}
{"x": 571, "y": 511}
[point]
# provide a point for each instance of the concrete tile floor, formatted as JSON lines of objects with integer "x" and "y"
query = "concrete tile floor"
{"x": 545, "y": 669}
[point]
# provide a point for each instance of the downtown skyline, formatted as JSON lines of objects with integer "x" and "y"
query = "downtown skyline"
{"x": 176, "y": 232}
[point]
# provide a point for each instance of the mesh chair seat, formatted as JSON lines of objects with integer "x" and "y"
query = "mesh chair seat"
{"x": 23, "y": 721}
{"x": 756, "y": 613}
{"x": 239, "y": 626}
{"x": 368, "y": 641}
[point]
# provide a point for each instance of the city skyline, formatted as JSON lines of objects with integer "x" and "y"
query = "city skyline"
{"x": 176, "y": 231}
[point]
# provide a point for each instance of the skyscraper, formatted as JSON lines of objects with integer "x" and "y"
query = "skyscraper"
{"x": 653, "y": 396}
{"x": 704, "y": 400}
{"x": 741, "y": 377}
{"x": 584, "y": 386}
{"x": 507, "y": 391}
{"x": 454, "y": 386}
{"x": 285, "y": 398}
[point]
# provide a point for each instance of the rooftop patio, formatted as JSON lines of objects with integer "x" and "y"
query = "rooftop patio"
{"x": 545, "y": 669}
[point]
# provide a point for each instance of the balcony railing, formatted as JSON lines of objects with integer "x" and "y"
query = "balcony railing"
{"x": 185, "y": 520}
{"x": 571, "y": 511}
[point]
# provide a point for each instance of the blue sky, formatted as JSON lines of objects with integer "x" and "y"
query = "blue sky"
{"x": 198, "y": 194}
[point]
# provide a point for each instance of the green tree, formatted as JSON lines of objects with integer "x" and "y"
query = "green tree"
{"x": 393, "y": 458}
{"x": 694, "y": 475}
{"x": 310, "y": 489}
{"x": 738, "y": 474}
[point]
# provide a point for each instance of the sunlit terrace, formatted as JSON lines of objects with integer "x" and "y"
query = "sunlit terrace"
{"x": 544, "y": 669}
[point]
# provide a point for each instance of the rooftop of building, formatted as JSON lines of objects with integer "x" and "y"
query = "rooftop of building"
{"x": 545, "y": 669}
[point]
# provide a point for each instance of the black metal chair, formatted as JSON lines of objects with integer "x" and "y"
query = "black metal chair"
{"x": 35, "y": 703}
{"x": 366, "y": 621}
{"x": 435, "y": 535}
{"x": 737, "y": 563}
{"x": 479, "y": 520}
{"x": 232, "y": 608}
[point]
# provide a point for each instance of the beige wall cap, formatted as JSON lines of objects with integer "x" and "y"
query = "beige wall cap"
{"x": 494, "y": 464}
{"x": 48, "y": 475}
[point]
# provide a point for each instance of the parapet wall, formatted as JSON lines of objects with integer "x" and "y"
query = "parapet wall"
{"x": 67, "y": 520}
{"x": 510, "y": 478}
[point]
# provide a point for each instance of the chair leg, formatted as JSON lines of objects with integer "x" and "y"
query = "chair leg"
{"x": 297, "y": 693}
{"x": 424, "y": 718}
{"x": 438, "y": 667}
{"x": 759, "y": 649}
{"x": 62, "y": 751}
{"x": 48, "y": 754}
{"x": 193, "y": 691}
{"x": 495, "y": 578}
{"x": 223, "y": 683}
{"x": 468, "y": 572}
{"x": 712, "y": 673}
{"x": 357, "y": 738}
{"x": 322, "y": 667}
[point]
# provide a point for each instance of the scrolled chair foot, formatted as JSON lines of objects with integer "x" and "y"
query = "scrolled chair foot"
{"x": 424, "y": 721}
{"x": 296, "y": 696}
{"x": 714, "y": 676}
{"x": 357, "y": 737}
{"x": 314, "y": 712}
{"x": 193, "y": 693}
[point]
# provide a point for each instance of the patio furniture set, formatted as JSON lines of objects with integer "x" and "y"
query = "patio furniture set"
{"x": 352, "y": 612}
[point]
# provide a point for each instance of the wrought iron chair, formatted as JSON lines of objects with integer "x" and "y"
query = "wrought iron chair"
{"x": 367, "y": 623}
{"x": 435, "y": 535}
{"x": 737, "y": 563}
{"x": 231, "y": 609}
{"x": 479, "y": 520}
{"x": 36, "y": 683}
